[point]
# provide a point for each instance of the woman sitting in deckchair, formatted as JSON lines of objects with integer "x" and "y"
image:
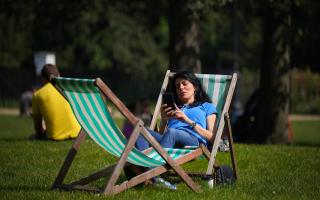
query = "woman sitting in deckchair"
{"x": 190, "y": 121}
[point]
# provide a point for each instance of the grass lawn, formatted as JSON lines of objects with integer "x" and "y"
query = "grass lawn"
{"x": 28, "y": 168}
{"x": 306, "y": 132}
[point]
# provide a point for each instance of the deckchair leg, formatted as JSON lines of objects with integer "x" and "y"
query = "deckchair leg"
{"x": 94, "y": 176}
{"x": 205, "y": 151}
{"x": 67, "y": 162}
{"x": 122, "y": 161}
{"x": 232, "y": 152}
{"x": 215, "y": 147}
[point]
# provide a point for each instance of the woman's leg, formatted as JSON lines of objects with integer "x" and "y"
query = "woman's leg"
{"x": 173, "y": 137}
{"x": 143, "y": 144}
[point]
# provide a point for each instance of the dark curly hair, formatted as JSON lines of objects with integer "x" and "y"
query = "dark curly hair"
{"x": 200, "y": 95}
{"x": 49, "y": 71}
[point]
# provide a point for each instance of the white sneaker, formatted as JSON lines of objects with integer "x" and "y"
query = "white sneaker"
{"x": 161, "y": 182}
{"x": 224, "y": 146}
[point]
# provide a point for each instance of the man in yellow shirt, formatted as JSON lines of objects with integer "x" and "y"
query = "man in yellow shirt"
{"x": 50, "y": 107}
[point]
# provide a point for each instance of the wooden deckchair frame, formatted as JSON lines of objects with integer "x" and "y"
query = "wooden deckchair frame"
{"x": 211, "y": 156}
{"x": 112, "y": 187}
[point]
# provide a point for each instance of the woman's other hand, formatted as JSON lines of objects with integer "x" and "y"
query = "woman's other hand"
{"x": 178, "y": 114}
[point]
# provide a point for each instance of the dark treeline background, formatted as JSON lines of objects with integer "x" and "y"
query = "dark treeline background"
{"x": 129, "y": 43}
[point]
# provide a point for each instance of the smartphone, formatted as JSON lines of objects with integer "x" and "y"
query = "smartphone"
{"x": 168, "y": 98}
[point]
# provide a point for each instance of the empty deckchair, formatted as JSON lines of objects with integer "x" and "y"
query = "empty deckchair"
{"x": 220, "y": 89}
{"x": 88, "y": 99}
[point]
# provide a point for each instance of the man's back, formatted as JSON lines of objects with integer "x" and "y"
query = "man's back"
{"x": 60, "y": 122}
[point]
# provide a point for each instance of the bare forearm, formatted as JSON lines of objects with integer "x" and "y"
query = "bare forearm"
{"x": 208, "y": 132}
{"x": 201, "y": 131}
{"x": 39, "y": 129}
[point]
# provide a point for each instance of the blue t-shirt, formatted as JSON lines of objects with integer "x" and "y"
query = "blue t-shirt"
{"x": 198, "y": 114}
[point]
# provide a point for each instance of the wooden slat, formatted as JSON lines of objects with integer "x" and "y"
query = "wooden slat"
{"x": 184, "y": 176}
{"x": 68, "y": 161}
{"x": 155, "y": 172}
{"x": 94, "y": 176}
{"x": 221, "y": 124}
{"x": 232, "y": 151}
{"x": 205, "y": 151}
{"x": 158, "y": 105}
{"x": 116, "y": 101}
{"x": 119, "y": 167}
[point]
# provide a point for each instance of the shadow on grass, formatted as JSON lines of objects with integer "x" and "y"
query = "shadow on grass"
{"x": 14, "y": 139}
{"x": 35, "y": 141}
{"x": 25, "y": 188}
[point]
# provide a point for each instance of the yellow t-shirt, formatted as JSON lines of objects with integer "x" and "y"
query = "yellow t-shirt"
{"x": 60, "y": 122}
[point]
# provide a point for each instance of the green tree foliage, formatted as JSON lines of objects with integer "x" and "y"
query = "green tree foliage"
{"x": 97, "y": 35}
{"x": 305, "y": 92}
{"x": 267, "y": 116}
{"x": 305, "y": 34}
{"x": 84, "y": 34}
{"x": 90, "y": 35}
{"x": 185, "y": 35}
{"x": 230, "y": 35}
{"x": 16, "y": 20}
{"x": 131, "y": 38}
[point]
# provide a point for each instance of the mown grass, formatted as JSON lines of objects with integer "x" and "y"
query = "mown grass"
{"x": 28, "y": 168}
{"x": 306, "y": 132}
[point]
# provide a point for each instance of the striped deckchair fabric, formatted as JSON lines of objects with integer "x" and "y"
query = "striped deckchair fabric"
{"x": 216, "y": 88}
{"x": 88, "y": 99}
{"x": 92, "y": 114}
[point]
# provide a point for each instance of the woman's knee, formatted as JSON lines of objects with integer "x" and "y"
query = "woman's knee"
{"x": 171, "y": 132}
{"x": 141, "y": 143}
{"x": 155, "y": 134}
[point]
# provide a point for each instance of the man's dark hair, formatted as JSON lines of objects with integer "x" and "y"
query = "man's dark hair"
{"x": 49, "y": 71}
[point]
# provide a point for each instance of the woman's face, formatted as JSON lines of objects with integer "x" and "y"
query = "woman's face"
{"x": 185, "y": 90}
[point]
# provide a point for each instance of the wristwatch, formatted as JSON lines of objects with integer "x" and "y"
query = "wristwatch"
{"x": 193, "y": 124}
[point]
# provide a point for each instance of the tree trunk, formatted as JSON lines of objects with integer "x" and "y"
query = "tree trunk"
{"x": 184, "y": 50}
{"x": 270, "y": 125}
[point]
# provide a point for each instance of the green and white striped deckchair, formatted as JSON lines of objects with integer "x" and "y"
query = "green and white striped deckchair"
{"x": 220, "y": 89}
{"x": 88, "y": 99}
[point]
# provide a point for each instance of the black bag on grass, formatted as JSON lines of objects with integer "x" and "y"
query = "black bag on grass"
{"x": 224, "y": 175}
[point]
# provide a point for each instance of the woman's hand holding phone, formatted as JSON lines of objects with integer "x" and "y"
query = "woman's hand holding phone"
{"x": 167, "y": 112}
{"x": 168, "y": 107}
